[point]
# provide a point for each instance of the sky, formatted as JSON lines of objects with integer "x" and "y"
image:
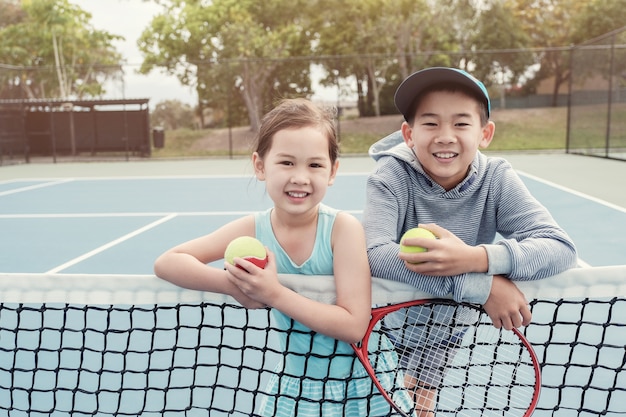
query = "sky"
{"x": 129, "y": 18}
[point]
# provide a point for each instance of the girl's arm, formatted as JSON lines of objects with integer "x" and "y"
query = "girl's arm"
{"x": 186, "y": 264}
{"x": 346, "y": 320}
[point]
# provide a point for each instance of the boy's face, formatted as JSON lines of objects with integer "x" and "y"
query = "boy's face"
{"x": 446, "y": 135}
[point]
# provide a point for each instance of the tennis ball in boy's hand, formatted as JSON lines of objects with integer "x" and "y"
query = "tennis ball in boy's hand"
{"x": 248, "y": 248}
{"x": 415, "y": 232}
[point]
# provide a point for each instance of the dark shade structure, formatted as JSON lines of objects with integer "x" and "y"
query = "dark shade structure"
{"x": 53, "y": 127}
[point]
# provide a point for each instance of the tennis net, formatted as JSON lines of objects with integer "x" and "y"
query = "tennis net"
{"x": 107, "y": 345}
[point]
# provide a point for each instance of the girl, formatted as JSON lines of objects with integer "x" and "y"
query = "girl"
{"x": 297, "y": 157}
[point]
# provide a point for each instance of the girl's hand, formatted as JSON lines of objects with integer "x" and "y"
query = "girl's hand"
{"x": 257, "y": 285}
{"x": 445, "y": 256}
{"x": 247, "y": 302}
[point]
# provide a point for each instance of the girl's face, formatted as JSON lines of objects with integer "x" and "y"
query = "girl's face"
{"x": 446, "y": 135}
{"x": 297, "y": 169}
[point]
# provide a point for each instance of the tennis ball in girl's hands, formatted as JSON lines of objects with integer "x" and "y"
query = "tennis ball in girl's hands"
{"x": 248, "y": 248}
{"x": 415, "y": 232}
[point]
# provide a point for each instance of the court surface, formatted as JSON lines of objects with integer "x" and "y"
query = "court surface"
{"x": 117, "y": 217}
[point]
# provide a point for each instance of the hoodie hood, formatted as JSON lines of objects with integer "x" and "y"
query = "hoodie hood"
{"x": 393, "y": 145}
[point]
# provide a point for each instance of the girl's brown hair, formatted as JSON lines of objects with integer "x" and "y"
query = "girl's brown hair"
{"x": 296, "y": 113}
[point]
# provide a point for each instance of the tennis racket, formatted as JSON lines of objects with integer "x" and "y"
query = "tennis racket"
{"x": 439, "y": 357}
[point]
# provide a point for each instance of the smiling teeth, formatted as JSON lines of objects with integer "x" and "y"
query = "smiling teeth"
{"x": 445, "y": 155}
{"x": 297, "y": 195}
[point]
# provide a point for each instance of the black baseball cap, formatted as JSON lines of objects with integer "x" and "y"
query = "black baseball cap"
{"x": 415, "y": 83}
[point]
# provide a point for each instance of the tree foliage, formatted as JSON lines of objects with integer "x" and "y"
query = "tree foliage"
{"x": 53, "y": 51}
{"x": 540, "y": 32}
{"x": 385, "y": 41}
{"x": 500, "y": 32}
{"x": 551, "y": 26}
{"x": 597, "y": 18}
{"x": 243, "y": 55}
{"x": 172, "y": 115}
{"x": 230, "y": 46}
{"x": 10, "y": 13}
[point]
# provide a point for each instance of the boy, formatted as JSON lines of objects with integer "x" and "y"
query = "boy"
{"x": 431, "y": 173}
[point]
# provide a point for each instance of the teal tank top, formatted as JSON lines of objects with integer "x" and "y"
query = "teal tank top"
{"x": 307, "y": 353}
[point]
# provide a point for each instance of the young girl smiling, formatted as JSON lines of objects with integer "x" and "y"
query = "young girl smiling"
{"x": 297, "y": 157}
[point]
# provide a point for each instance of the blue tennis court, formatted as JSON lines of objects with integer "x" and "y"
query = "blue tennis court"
{"x": 117, "y": 223}
{"x": 121, "y": 224}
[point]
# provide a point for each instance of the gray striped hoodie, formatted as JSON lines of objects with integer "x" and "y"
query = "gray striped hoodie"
{"x": 491, "y": 207}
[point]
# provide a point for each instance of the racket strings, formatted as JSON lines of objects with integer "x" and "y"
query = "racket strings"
{"x": 451, "y": 358}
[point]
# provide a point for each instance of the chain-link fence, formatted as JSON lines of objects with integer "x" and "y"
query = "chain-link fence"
{"x": 597, "y": 91}
{"x": 597, "y": 110}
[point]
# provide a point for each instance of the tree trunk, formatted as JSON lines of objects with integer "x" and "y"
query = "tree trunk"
{"x": 251, "y": 96}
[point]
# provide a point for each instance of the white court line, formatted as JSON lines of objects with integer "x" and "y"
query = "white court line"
{"x": 12, "y": 180}
{"x": 574, "y": 192}
{"x": 122, "y": 214}
{"x": 36, "y": 186}
{"x": 168, "y": 215}
{"x": 86, "y": 215}
{"x": 162, "y": 177}
{"x": 581, "y": 263}
{"x": 136, "y": 177}
{"x": 140, "y": 214}
{"x": 110, "y": 244}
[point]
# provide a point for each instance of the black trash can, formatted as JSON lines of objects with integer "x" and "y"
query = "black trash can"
{"x": 158, "y": 137}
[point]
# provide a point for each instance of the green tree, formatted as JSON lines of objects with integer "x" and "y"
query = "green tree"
{"x": 602, "y": 23}
{"x": 499, "y": 31}
{"x": 551, "y": 27}
{"x": 10, "y": 12}
{"x": 233, "y": 45}
{"x": 172, "y": 114}
{"x": 373, "y": 42}
{"x": 368, "y": 39}
{"x": 381, "y": 42}
{"x": 54, "y": 51}
{"x": 599, "y": 17}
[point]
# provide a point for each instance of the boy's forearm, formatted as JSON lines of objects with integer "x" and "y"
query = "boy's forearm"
{"x": 532, "y": 258}
{"x": 498, "y": 260}
{"x": 471, "y": 287}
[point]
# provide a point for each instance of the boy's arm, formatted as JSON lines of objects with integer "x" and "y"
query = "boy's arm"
{"x": 534, "y": 246}
{"x": 383, "y": 219}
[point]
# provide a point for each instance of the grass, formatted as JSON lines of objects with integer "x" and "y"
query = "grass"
{"x": 589, "y": 127}
{"x": 531, "y": 129}
{"x": 180, "y": 142}
{"x": 516, "y": 129}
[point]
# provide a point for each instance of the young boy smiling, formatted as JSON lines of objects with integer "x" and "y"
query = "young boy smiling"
{"x": 431, "y": 173}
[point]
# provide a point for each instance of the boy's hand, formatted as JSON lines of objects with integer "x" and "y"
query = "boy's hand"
{"x": 507, "y": 306}
{"x": 445, "y": 256}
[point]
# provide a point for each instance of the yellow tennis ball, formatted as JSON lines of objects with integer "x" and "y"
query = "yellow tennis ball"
{"x": 415, "y": 232}
{"x": 248, "y": 248}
